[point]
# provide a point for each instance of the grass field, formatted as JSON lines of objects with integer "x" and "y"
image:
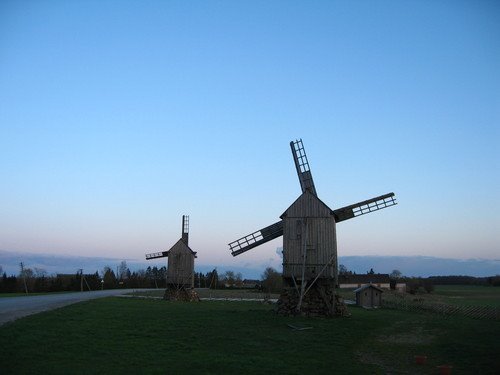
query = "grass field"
{"x": 217, "y": 293}
{"x": 461, "y": 295}
{"x": 475, "y": 295}
{"x": 128, "y": 335}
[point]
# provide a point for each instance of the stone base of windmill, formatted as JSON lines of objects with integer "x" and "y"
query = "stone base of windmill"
{"x": 180, "y": 293}
{"x": 320, "y": 300}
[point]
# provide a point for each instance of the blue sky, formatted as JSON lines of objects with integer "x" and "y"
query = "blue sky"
{"x": 118, "y": 117}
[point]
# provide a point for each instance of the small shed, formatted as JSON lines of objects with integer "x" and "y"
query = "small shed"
{"x": 369, "y": 295}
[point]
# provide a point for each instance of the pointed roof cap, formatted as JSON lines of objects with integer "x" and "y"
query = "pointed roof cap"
{"x": 181, "y": 245}
{"x": 307, "y": 205}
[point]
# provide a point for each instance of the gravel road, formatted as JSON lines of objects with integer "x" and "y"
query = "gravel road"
{"x": 12, "y": 308}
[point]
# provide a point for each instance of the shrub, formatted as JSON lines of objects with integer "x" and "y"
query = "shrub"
{"x": 428, "y": 286}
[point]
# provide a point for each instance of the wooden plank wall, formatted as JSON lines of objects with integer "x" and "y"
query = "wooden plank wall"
{"x": 180, "y": 269}
{"x": 320, "y": 242}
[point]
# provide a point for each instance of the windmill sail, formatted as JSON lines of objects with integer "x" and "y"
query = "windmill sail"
{"x": 256, "y": 238}
{"x": 161, "y": 254}
{"x": 364, "y": 207}
{"x": 302, "y": 166}
{"x": 185, "y": 229}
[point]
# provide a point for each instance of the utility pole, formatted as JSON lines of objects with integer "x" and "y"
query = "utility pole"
{"x": 81, "y": 279}
{"x": 23, "y": 274}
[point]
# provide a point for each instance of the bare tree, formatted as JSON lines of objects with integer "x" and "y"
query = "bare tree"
{"x": 238, "y": 279}
{"x": 428, "y": 286}
{"x": 40, "y": 272}
{"x": 343, "y": 270}
{"x": 26, "y": 274}
{"x": 122, "y": 270}
{"x": 395, "y": 274}
{"x": 271, "y": 280}
{"x": 229, "y": 278}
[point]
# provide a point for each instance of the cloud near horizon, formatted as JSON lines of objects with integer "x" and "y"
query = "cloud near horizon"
{"x": 409, "y": 265}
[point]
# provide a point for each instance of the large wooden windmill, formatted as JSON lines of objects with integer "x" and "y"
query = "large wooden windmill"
{"x": 180, "y": 267}
{"x": 308, "y": 228}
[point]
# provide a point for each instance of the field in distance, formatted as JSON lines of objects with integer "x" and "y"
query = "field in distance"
{"x": 458, "y": 295}
{"x": 217, "y": 293}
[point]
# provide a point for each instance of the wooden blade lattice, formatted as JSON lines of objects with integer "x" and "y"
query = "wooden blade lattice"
{"x": 161, "y": 254}
{"x": 302, "y": 166}
{"x": 256, "y": 238}
{"x": 364, "y": 207}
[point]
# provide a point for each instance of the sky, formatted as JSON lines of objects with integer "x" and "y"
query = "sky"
{"x": 118, "y": 117}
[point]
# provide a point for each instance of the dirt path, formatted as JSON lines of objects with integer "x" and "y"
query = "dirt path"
{"x": 12, "y": 308}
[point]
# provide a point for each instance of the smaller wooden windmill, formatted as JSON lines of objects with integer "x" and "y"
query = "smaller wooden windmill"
{"x": 180, "y": 267}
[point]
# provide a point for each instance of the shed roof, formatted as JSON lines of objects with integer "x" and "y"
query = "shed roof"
{"x": 376, "y": 278}
{"x": 366, "y": 286}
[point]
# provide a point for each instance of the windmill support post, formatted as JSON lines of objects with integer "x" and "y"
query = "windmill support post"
{"x": 320, "y": 272}
{"x": 295, "y": 284}
{"x": 293, "y": 278}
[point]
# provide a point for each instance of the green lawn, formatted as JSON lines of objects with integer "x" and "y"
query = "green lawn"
{"x": 128, "y": 335}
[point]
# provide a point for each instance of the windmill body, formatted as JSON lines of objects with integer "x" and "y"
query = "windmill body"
{"x": 180, "y": 266}
{"x": 308, "y": 228}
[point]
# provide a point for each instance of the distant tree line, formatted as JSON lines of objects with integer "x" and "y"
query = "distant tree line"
{"x": 414, "y": 284}
{"x": 465, "y": 280}
{"x": 270, "y": 280}
{"x": 38, "y": 281}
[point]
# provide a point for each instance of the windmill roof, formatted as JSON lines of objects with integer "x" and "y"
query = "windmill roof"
{"x": 181, "y": 245}
{"x": 309, "y": 203}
